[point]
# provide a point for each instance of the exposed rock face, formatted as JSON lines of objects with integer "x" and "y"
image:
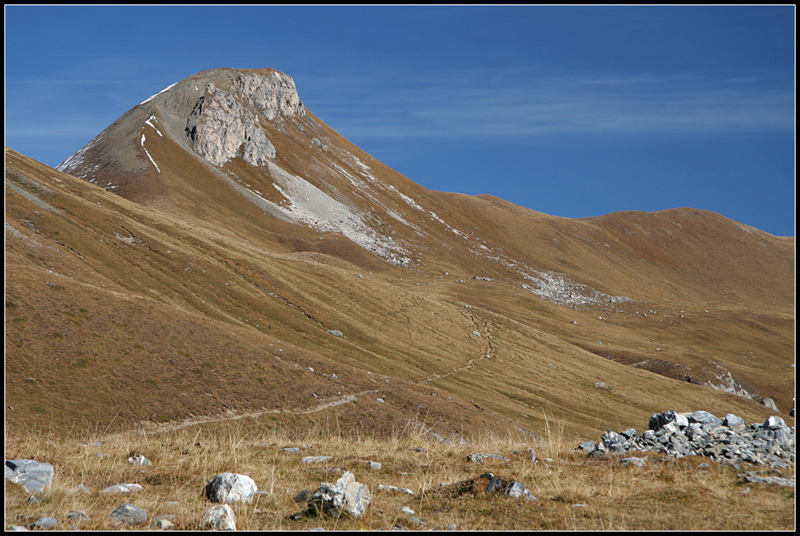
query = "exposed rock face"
{"x": 220, "y": 128}
{"x": 273, "y": 94}
{"x": 225, "y": 124}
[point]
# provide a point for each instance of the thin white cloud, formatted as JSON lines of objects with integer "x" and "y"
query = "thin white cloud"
{"x": 476, "y": 106}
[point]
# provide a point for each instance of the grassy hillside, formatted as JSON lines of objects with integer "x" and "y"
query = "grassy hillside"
{"x": 162, "y": 318}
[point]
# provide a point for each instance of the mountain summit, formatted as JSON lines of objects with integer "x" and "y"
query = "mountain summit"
{"x": 220, "y": 250}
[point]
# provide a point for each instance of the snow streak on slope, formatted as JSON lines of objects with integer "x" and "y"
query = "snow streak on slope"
{"x": 148, "y": 155}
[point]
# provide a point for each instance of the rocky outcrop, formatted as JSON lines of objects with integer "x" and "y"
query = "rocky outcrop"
{"x": 226, "y": 124}
{"x": 221, "y": 128}
{"x": 273, "y": 94}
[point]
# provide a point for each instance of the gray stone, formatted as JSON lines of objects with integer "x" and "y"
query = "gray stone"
{"x": 163, "y": 523}
{"x": 768, "y": 402}
{"x": 732, "y": 421}
{"x": 638, "y": 462}
{"x": 316, "y": 459}
{"x": 480, "y": 457}
{"x": 755, "y": 478}
{"x": 659, "y": 420}
{"x": 702, "y": 417}
{"x": 774, "y": 423}
{"x": 122, "y": 488}
{"x": 33, "y": 476}
{"x": 346, "y": 496}
{"x": 394, "y": 488}
{"x": 231, "y": 488}
{"x": 220, "y": 517}
{"x": 415, "y": 520}
{"x": 45, "y": 523}
{"x": 517, "y": 490}
{"x": 78, "y": 515}
{"x": 130, "y": 514}
{"x": 139, "y": 460}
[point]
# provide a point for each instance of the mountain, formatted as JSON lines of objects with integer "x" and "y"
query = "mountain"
{"x": 219, "y": 252}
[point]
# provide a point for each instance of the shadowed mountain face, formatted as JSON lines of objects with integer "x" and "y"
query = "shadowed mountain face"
{"x": 219, "y": 251}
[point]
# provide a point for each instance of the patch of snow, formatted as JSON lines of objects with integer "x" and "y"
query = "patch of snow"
{"x": 365, "y": 169}
{"x": 148, "y": 155}
{"x": 409, "y": 201}
{"x": 74, "y": 162}
{"x": 153, "y": 118}
{"x": 157, "y": 94}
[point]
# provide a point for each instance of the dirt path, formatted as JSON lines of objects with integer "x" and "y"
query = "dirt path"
{"x": 149, "y": 428}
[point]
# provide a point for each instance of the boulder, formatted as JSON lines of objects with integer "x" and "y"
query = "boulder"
{"x": 768, "y": 402}
{"x": 33, "y": 476}
{"x": 659, "y": 420}
{"x": 231, "y": 488}
{"x": 220, "y": 517}
{"x": 130, "y": 514}
{"x": 702, "y": 417}
{"x": 45, "y": 523}
{"x": 346, "y": 496}
{"x": 774, "y": 423}
{"x": 732, "y": 421}
{"x": 517, "y": 490}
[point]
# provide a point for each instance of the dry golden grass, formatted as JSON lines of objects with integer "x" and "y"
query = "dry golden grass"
{"x": 573, "y": 491}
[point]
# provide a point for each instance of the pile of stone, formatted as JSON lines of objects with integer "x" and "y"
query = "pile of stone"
{"x": 700, "y": 433}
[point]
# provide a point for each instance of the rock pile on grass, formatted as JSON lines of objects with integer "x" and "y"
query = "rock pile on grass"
{"x": 700, "y": 433}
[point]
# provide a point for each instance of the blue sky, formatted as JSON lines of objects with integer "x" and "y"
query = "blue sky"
{"x": 572, "y": 111}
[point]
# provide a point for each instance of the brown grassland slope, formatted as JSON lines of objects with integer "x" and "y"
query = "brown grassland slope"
{"x": 150, "y": 289}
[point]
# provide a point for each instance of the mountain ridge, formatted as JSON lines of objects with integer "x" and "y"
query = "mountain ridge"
{"x": 247, "y": 210}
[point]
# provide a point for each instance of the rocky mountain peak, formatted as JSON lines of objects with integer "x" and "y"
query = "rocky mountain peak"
{"x": 226, "y": 123}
